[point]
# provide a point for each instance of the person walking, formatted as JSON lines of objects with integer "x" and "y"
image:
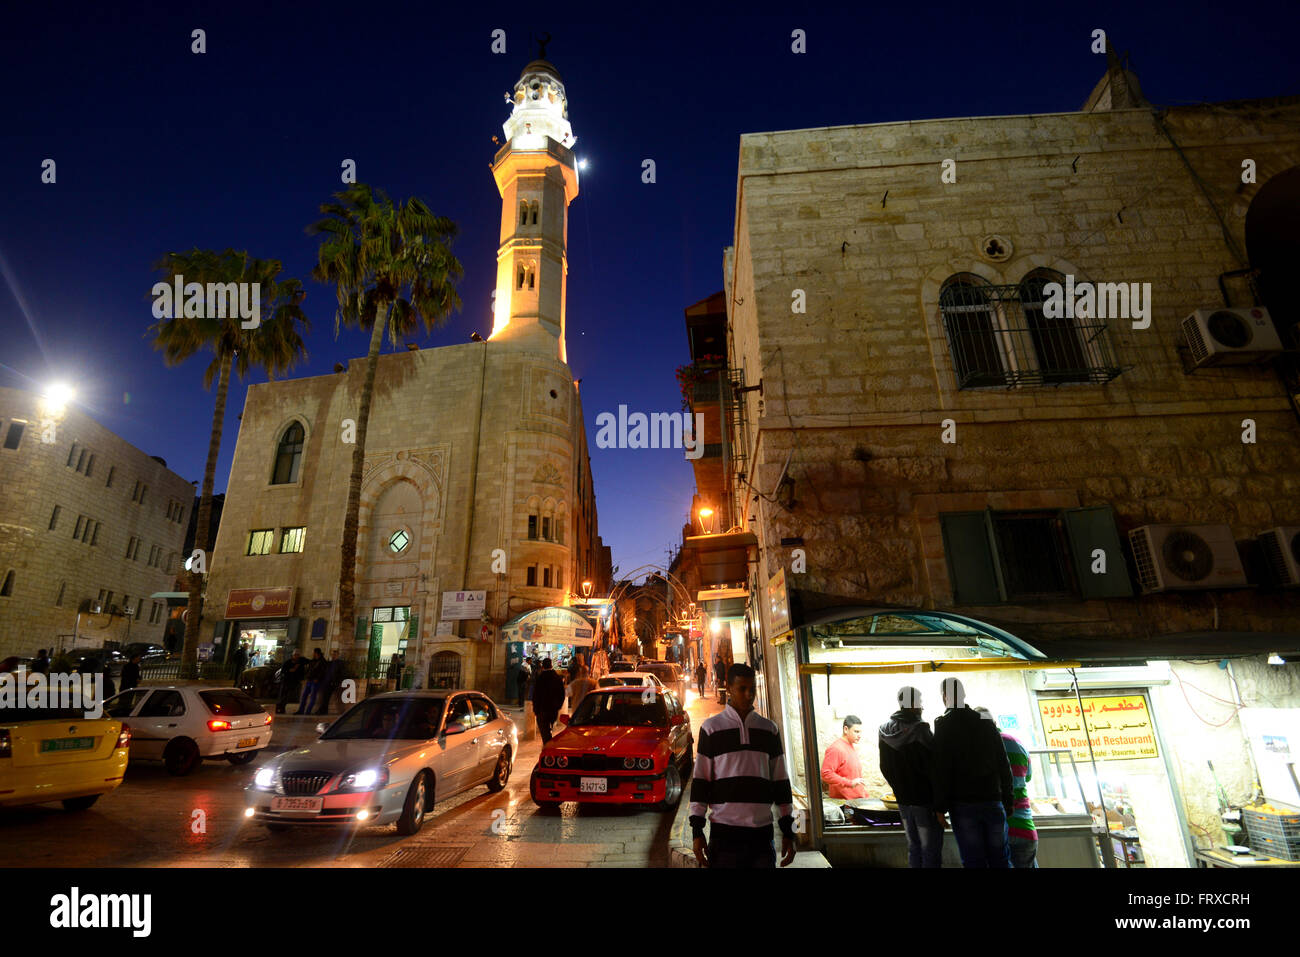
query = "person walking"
{"x": 701, "y": 675}
{"x": 579, "y": 688}
{"x": 131, "y": 673}
{"x": 315, "y": 673}
{"x": 548, "y": 698}
{"x": 291, "y": 674}
{"x": 237, "y": 659}
{"x": 972, "y": 780}
{"x": 332, "y": 680}
{"x": 841, "y": 766}
{"x": 521, "y": 683}
{"x": 906, "y": 761}
{"x": 720, "y": 677}
{"x": 1022, "y": 835}
{"x": 739, "y": 774}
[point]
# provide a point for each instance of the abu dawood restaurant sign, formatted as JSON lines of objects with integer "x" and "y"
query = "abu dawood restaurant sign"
{"x": 259, "y": 603}
{"x": 1119, "y": 726}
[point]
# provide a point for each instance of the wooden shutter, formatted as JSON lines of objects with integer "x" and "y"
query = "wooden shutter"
{"x": 971, "y": 564}
{"x": 1092, "y": 528}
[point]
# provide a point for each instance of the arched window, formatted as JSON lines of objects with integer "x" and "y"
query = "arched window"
{"x": 970, "y": 320}
{"x": 523, "y": 214}
{"x": 519, "y": 280}
{"x": 58, "y": 599}
{"x": 532, "y": 277}
{"x": 288, "y": 457}
{"x": 444, "y": 670}
{"x": 534, "y": 212}
{"x": 1060, "y": 351}
{"x": 7, "y": 589}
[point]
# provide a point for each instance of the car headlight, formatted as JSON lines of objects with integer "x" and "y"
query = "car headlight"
{"x": 629, "y": 763}
{"x": 265, "y": 778}
{"x": 645, "y": 763}
{"x": 548, "y": 760}
{"x": 364, "y": 780}
{"x": 562, "y": 761}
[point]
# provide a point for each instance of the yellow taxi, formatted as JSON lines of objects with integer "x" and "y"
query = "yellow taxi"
{"x": 53, "y": 754}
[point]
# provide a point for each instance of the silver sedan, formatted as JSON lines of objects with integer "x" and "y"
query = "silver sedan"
{"x": 388, "y": 759}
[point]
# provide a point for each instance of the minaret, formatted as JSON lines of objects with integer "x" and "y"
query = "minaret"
{"x": 538, "y": 178}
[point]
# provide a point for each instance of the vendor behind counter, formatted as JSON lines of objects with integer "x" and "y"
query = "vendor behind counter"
{"x": 841, "y": 767}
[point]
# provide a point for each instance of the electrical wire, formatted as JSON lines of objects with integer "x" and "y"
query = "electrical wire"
{"x": 1232, "y": 717}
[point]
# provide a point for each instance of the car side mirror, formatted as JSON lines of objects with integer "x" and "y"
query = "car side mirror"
{"x": 564, "y": 719}
{"x": 677, "y": 719}
{"x": 322, "y": 727}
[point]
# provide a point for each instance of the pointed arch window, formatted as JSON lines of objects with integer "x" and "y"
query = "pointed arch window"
{"x": 519, "y": 279}
{"x": 533, "y": 211}
{"x": 532, "y": 277}
{"x": 288, "y": 456}
{"x": 523, "y": 214}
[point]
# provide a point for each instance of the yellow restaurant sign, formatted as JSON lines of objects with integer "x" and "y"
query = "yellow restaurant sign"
{"x": 1120, "y": 726}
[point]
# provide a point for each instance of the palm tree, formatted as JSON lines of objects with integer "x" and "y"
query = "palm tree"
{"x": 392, "y": 267}
{"x": 274, "y": 346}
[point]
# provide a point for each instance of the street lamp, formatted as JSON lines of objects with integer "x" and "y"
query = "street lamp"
{"x": 586, "y": 589}
{"x": 706, "y": 520}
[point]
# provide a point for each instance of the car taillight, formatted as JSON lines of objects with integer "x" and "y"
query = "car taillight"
{"x": 268, "y": 720}
{"x": 216, "y": 724}
{"x": 123, "y": 737}
{"x": 6, "y": 748}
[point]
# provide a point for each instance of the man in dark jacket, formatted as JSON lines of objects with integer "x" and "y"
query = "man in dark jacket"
{"x": 972, "y": 780}
{"x": 548, "y": 698}
{"x": 237, "y": 659}
{"x": 906, "y": 756}
{"x": 333, "y": 678}
{"x": 315, "y": 675}
{"x": 131, "y": 673}
{"x": 41, "y": 663}
{"x": 291, "y": 673}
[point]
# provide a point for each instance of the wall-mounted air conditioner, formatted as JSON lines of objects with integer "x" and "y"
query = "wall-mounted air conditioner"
{"x": 1172, "y": 557}
{"x": 1281, "y": 547}
{"x": 1231, "y": 336}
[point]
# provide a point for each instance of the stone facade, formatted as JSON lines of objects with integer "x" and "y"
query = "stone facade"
{"x": 115, "y": 497}
{"x": 1100, "y": 196}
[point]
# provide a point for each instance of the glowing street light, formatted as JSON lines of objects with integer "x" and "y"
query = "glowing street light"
{"x": 706, "y": 520}
{"x": 586, "y": 589}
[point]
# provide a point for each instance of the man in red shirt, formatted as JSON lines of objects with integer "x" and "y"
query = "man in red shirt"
{"x": 842, "y": 768}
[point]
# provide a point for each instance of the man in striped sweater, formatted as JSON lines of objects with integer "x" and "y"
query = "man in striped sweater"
{"x": 739, "y": 775}
{"x": 1021, "y": 833}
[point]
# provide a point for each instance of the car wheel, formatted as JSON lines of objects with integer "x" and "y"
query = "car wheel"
{"x": 243, "y": 757}
{"x": 181, "y": 756}
{"x": 412, "y": 818}
{"x": 79, "y": 804}
{"x": 672, "y": 788}
{"x": 502, "y": 773}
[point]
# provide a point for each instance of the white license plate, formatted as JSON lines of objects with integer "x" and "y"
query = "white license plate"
{"x": 246, "y": 742}
{"x": 592, "y": 785}
{"x": 310, "y": 805}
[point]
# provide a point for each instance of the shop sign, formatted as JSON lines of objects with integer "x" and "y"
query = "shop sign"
{"x": 778, "y": 606}
{"x": 444, "y": 628}
{"x": 1120, "y": 726}
{"x": 259, "y": 603}
{"x": 457, "y": 605}
{"x": 322, "y": 603}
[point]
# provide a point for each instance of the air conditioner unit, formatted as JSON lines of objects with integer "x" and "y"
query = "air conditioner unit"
{"x": 1170, "y": 557}
{"x": 1281, "y": 548}
{"x": 1231, "y": 336}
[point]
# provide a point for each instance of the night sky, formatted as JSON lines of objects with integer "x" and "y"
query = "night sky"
{"x": 160, "y": 149}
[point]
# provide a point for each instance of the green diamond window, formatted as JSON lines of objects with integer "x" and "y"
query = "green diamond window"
{"x": 399, "y": 540}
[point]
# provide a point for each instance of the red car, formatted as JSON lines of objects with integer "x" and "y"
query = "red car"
{"x": 624, "y": 745}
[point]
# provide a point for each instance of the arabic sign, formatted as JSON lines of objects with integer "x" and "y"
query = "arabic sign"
{"x": 457, "y": 605}
{"x": 259, "y": 603}
{"x": 778, "y": 605}
{"x": 1119, "y": 725}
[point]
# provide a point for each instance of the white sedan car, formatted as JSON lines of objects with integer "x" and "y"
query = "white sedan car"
{"x": 183, "y": 724}
{"x": 630, "y": 678}
{"x": 387, "y": 760}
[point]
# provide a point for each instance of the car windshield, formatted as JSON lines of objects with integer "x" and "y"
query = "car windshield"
{"x": 621, "y": 708}
{"x": 405, "y": 719}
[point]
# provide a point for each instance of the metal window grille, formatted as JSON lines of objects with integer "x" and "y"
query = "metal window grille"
{"x": 1001, "y": 336}
{"x": 444, "y": 671}
{"x": 1031, "y": 548}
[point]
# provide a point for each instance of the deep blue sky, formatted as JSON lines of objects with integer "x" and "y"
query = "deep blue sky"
{"x": 160, "y": 149}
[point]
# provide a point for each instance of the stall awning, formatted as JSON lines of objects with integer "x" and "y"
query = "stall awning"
{"x": 553, "y": 624}
{"x": 922, "y": 667}
{"x": 174, "y": 599}
{"x": 1185, "y": 646}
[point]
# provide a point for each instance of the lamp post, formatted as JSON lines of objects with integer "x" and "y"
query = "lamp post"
{"x": 586, "y": 589}
{"x": 705, "y": 516}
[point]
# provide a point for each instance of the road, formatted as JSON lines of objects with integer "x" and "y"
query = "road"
{"x": 156, "y": 820}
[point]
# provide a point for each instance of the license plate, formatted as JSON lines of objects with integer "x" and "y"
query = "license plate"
{"x": 592, "y": 785}
{"x": 312, "y": 805}
{"x": 246, "y": 742}
{"x": 67, "y": 744}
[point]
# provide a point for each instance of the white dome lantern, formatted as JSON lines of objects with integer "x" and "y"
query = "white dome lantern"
{"x": 541, "y": 109}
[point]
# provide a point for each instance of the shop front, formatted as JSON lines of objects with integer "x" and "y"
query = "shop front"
{"x": 259, "y": 620}
{"x": 1131, "y": 766}
{"x": 554, "y": 632}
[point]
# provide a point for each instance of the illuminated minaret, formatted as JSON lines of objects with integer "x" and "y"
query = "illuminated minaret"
{"x": 538, "y": 178}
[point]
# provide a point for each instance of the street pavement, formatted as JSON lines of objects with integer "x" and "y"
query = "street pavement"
{"x": 157, "y": 820}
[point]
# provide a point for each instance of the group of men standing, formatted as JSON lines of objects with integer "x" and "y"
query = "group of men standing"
{"x": 317, "y": 677}
{"x": 967, "y": 769}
